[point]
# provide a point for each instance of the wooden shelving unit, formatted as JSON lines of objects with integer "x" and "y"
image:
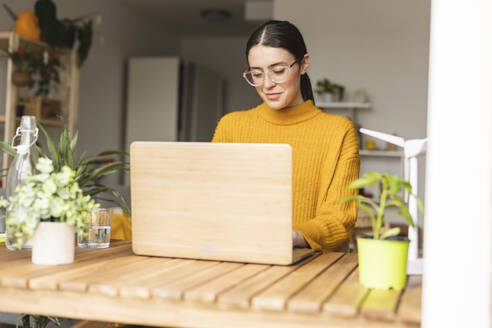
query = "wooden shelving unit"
{"x": 380, "y": 153}
{"x": 352, "y": 107}
{"x": 10, "y": 41}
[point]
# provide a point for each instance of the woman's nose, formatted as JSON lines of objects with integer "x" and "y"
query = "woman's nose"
{"x": 268, "y": 83}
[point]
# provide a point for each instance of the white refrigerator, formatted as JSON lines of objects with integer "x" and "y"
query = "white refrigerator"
{"x": 169, "y": 99}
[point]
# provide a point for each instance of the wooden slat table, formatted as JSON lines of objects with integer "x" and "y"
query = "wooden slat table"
{"x": 115, "y": 285}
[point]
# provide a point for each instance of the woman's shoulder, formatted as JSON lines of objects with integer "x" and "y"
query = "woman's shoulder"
{"x": 336, "y": 121}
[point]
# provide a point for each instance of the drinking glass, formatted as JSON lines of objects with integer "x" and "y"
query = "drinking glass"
{"x": 98, "y": 233}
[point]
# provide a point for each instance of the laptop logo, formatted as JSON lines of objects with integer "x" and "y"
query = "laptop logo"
{"x": 208, "y": 249}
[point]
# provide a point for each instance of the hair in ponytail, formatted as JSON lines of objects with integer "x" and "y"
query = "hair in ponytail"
{"x": 283, "y": 34}
{"x": 306, "y": 88}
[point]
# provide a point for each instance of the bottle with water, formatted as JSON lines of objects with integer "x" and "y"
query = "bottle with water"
{"x": 22, "y": 165}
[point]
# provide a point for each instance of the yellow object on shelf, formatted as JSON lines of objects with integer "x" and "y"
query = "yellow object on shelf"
{"x": 370, "y": 145}
{"x": 26, "y": 25}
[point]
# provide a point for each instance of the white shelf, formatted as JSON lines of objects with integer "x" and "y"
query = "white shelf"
{"x": 380, "y": 153}
{"x": 342, "y": 105}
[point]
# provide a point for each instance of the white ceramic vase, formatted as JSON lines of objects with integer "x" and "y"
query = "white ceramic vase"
{"x": 53, "y": 243}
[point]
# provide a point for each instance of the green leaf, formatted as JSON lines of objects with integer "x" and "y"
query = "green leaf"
{"x": 390, "y": 233}
{"x": 74, "y": 141}
{"x": 403, "y": 210}
{"x": 394, "y": 183}
{"x": 113, "y": 152}
{"x": 6, "y": 148}
{"x": 55, "y": 155}
{"x": 363, "y": 199}
{"x": 371, "y": 214}
{"x": 106, "y": 169}
{"x": 41, "y": 151}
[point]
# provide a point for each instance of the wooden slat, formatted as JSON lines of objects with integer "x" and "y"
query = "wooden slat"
{"x": 310, "y": 298}
{"x": 109, "y": 282}
{"x": 241, "y": 295}
{"x": 347, "y": 298}
{"x": 381, "y": 304}
{"x": 151, "y": 268}
{"x": 175, "y": 289}
{"x": 152, "y": 312}
{"x": 62, "y": 279}
{"x": 275, "y": 297}
{"x": 143, "y": 288}
{"x": 411, "y": 301}
{"x": 19, "y": 273}
{"x": 81, "y": 282}
{"x": 208, "y": 292}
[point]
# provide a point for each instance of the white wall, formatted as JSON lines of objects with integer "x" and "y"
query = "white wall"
{"x": 102, "y": 78}
{"x": 224, "y": 55}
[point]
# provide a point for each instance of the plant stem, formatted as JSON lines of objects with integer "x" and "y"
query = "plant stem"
{"x": 379, "y": 220}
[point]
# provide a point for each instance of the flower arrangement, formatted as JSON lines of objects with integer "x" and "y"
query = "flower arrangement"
{"x": 47, "y": 196}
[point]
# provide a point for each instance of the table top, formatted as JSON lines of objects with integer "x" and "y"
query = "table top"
{"x": 115, "y": 285}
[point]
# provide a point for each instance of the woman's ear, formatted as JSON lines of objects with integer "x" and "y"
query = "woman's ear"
{"x": 305, "y": 63}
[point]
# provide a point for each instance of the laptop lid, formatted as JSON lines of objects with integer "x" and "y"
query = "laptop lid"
{"x": 216, "y": 201}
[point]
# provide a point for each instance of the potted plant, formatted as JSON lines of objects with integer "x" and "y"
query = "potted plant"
{"x": 328, "y": 91}
{"x": 48, "y": 208}
{"x": 383, "y": 255}
{"x": 88, "y": 171}
{"x": 25, "y": 65}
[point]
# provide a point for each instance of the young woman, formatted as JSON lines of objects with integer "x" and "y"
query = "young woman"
{"x": 325, "y": 149}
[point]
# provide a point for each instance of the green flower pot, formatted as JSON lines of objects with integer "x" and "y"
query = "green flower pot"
{"x": 383, "y": 263}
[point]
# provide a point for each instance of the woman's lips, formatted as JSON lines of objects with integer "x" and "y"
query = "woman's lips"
{"x": 273, "y": 95}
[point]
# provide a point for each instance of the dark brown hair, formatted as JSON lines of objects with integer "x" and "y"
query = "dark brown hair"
{"x": 283, "y": 34}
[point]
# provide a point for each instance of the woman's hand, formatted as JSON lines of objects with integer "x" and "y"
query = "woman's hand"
{"x": 298, "y": 239}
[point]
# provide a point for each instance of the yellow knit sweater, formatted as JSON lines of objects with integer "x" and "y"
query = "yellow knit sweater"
{"x": 325, "y": 160}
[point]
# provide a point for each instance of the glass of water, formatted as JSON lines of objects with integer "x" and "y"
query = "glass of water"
{"x": 98, "y": 233}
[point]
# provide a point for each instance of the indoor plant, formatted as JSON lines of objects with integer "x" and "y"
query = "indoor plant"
{"x": 383, "y": 256}
{"x": 328, "y": 91}
{"x": 25, "y": 65}
{"x": 48, "y": 208}
{"x": 88, "y": 172}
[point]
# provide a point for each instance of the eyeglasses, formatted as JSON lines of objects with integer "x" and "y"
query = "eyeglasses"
{"x": 277, "y": 74}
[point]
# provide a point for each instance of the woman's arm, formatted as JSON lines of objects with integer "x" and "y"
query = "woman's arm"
{"x": 334, "y": 222}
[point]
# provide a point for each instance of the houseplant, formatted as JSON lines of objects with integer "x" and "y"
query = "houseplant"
{"x": 328, "y": 91}
{"x": 88, "y": 173}
{"x": 25, "y": 65}
{"x": 383, "y": 255}
{"x": 47, "y": 208}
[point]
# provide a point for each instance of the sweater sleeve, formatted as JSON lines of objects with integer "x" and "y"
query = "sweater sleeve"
{"x": 334, "y": 222}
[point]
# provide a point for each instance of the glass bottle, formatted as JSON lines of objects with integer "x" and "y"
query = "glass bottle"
{"x": 22, "y": 165}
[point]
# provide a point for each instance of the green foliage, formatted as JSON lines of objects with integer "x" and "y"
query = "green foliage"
{"x": 39, "y": 321}
{"x": 63, "y": 33}
{"x": 391, "y": 185}
{"x": 46, "y": 196}
{"x": 326, "y": 86}
{"x": 87, "y": 171}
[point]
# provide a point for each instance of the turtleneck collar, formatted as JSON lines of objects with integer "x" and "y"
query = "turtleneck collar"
{"x": 290, "y": 115}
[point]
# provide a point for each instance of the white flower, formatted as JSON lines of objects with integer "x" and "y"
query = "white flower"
{"x": 3, "y": 202}
{"x": 44, "y": 165}
{"x": 64, "y": 177}
{"x": 49, "y": 186}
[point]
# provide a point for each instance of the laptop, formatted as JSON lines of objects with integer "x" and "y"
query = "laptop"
{"x": 213, "y": 201}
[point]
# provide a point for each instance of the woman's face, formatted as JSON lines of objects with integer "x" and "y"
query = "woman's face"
{"x": 283, "y": 94}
